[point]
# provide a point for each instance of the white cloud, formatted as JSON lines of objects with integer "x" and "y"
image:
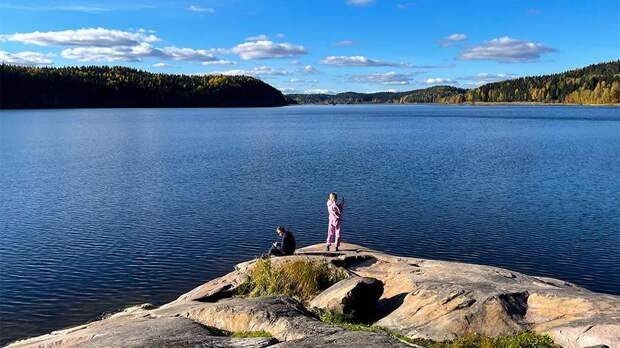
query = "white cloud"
{"x": 439, "y": 81}
{"x": 97, "y": 37}
{"x": 136, "y": 53}
{"x": 359, "y": 2}
{"x": 196, "y": 8}
{"x": 256, "y": 71}
{"x": 300, "y": 81}
{"x": 388, "y": 78}
{"x": 343, "y": 61}
{"x": 100, "y": 44}
{"x": 456, "y": 37}
{"x": 267, "y": 49}
{"x": 109, "y": 54}
{"x": 482, "y": 78}
{"x": 25, "y": 58}
{"x": 344, "y": 43}
{"x": 452, "y": 39}
{"x": 219, "y": 62}
{"x": 506, "y": 50}
{"x": 260, "y": 37}
{"x": 176, "y": 53}
{"x": 280, "y": 35}
{"x": 319, "y": 91}
{"x": 288, "y": 90}
{"x": 161, "y": 65}
{"x": 309, "y": 69}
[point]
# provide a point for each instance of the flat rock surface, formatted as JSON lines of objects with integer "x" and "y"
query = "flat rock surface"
{"x": 432, "y": 299}
{"x": 353, "y": 339}
{"x": 141, "y": 331}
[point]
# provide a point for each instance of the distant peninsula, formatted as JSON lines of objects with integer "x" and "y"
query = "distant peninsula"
{"x": 594, "y": 84}
{"x": 121, "y": 87}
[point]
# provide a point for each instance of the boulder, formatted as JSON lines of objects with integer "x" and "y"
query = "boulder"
{"x": 355, "y": 297}
{"x": 283, "y": 317}
{"x": 215, "y": 289}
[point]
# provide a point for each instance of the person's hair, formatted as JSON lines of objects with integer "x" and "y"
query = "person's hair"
{"x": 333, "y": 194}
{"x": 280, "y": 229}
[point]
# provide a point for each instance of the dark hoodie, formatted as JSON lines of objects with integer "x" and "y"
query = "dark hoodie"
{"x": 288, "y": 243}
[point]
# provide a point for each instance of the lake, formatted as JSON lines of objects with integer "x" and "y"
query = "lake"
{"x": 103, "y": 208}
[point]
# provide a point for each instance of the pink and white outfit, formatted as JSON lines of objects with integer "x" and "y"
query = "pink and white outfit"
{"x": 333, "y": 230}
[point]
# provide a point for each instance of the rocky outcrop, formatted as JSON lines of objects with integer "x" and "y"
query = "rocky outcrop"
{"x": 443, "y": 300}
{"x": 141, "y": 330}
{"x": 422, "y": 298}
{"x": 355, "y": 297}
{"x": 215, "y": 289}
{"x": 283, "y": 317}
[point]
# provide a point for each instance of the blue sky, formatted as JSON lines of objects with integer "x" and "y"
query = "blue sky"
{"x": 311, "y": 46}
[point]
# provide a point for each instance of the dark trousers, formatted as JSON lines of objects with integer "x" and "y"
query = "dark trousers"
{"x": 275, "y": 251}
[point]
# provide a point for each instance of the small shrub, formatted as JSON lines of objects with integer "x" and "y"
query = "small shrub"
{"x": 302, "y": 279}
{"x": 523, "y": 339}
{"x": 250, "y": 334}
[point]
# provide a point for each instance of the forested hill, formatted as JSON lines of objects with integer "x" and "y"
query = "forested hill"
{"x": 594, "y": 84}
{"x": 437, "y": 94}
{"x": 97, "y": 86}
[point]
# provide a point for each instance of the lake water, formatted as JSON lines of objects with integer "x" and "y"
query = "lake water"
{"x": 110, "y": 207}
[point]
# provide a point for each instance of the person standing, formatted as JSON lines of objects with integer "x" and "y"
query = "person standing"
{"x": 335, "y": 220}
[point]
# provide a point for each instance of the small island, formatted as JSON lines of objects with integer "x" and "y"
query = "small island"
{"x": 358, "y": 297}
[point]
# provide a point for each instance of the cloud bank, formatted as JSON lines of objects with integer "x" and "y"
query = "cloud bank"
{"x": 506, "y": 50}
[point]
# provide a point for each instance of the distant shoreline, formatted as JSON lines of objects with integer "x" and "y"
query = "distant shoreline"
{"x": 467, "y": 104}
{"x": 316, "y": 104}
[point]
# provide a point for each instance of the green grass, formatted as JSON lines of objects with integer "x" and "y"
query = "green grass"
{"x": 250, "y": 334}
{"x": 302, "y": 279}
{"x": 213, "y": 331}
{"x": 523, "y": 339}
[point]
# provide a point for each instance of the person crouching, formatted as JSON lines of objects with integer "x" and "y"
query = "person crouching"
{"x": 286, "y": 246}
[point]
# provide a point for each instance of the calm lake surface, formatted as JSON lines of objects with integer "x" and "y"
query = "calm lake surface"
{"x": 110, "y": 207}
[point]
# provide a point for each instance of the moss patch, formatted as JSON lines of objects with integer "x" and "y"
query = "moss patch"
{"x": 302, "y": 279}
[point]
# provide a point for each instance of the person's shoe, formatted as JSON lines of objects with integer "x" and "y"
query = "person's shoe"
{"x": 327, "y": 248}
{"x": 337, "y": 249}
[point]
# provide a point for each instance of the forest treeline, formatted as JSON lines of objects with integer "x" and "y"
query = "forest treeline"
{"x": 437, "y": 94}
{"x": 594, "y": 84}
{"x": 101, "y": 86}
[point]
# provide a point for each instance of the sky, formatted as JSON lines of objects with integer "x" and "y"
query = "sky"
{"x": 318, "y": 46}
